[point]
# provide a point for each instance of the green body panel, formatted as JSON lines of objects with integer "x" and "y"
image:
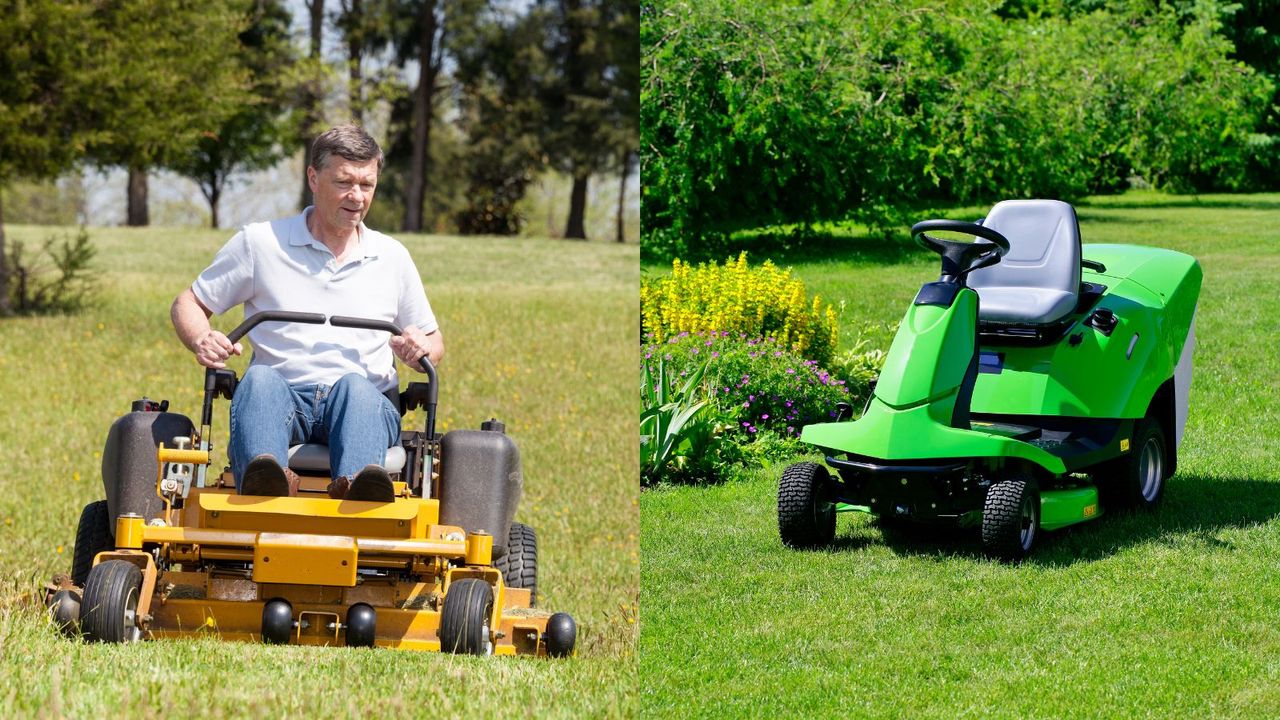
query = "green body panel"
{"x": 929, "y": 355}
{"x": 914, "y": 434}
{"x": 1068, "y": 506}
{"x": 1153, "y": 292}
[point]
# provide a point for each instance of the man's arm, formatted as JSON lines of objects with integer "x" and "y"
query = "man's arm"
{"x": 414, "y": 343}
{"x": 191, "y": 321}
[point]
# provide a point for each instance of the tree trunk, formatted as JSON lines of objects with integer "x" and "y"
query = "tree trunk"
{"x": 5, "y": 308}
{"x": 311, "y": 98}
{"x": 622, "y": 196}
{"x": 214, "y": 196}
{"x": 575, "y": 228}
{"x": 416, "y": 185}
{"x": 137, "y": 214}
{"x": 355, "y": 52}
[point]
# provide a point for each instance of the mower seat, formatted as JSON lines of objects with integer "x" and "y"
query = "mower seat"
{"x": 313, "y": 459}
{"x": 1038, "y": 281}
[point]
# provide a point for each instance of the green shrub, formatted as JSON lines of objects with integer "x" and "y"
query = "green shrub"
{"x": 760, "y": 114}
{"x": 757, "y": 384}
{"x": 56, "y": 279}
{"x": 681, "y": 433}
{"x": 759, "y": 302}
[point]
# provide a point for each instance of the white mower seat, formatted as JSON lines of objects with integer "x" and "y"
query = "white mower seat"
{"x": 1038, "y": 281}
{"x": 313, "y": 459}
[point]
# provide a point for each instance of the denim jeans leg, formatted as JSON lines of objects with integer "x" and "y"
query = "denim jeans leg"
{"x": 361, "y": 424}
{"x": 264, "y": 419}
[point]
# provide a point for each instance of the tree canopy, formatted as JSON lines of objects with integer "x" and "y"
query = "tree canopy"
{"x": 792, "y": 112}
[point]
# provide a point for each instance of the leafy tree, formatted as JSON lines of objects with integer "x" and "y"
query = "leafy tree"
{"x": 588, "y": 124}
{"x": 798, "y": 112}
{"x": 501, "y": 68}
{"x": 47, "y": 77}
{"x": 258, "y": 134}
{"x": 167, "y": 74}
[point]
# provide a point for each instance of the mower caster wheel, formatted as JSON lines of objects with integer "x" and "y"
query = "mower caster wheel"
{"x": 108, "y": 609}
{"x": 806, "y": 512}
{"x": 561, "y": 635}
{"x": 464, "y": 621}
{"x": 1011, "y": 518}
{"x": 64, "y": 611}
{"x": 361, "y": 622}
{"x": 277, "y": 621}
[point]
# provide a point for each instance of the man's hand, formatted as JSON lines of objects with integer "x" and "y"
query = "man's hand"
{"x": 414, "y": 343}
{"x": 213, "y": 349}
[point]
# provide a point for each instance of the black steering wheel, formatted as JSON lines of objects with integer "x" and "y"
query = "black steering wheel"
{"x": 961, "y": 258}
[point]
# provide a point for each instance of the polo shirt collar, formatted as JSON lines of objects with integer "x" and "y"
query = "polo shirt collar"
{"x": 300, "y": 235}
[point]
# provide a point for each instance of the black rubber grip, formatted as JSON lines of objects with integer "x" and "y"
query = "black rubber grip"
{"x": 274, "y": 316}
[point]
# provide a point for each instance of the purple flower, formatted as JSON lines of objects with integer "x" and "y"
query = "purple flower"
{"x": 777, "y": 353}
{"x": 714, "y": 354}
{"x": 751, "y": 397}
{"x": 752, "y": 428}
{"x": 707, "y": 342}
{"x": 746, "y": 424}
{"x": 791, "y": 371}
{"x": 764, "y": 416}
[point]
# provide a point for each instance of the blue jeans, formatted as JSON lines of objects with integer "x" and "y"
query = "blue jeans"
{"x": 357, "y": 422}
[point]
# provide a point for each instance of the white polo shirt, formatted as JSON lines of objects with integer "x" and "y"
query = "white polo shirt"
{"x": 280, "y": 266}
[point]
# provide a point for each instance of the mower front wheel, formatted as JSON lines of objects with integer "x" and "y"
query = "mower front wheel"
{"x": 108, "y": 609}
{"x": 464, "y": 621}
{"x": 806, "y": 512}
{"x": 1011, "y": 518}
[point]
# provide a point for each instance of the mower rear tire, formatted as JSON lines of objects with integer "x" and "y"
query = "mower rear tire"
{"x": 1136, "y": 481}
{"x": 108, "y": 609}
{"x": 806, "y": 512}
{"x": 93, "y": 535}
{"x": 1011, "y": 517}
{"x": 519, "y": 567}
{"x": 464, "y": 621}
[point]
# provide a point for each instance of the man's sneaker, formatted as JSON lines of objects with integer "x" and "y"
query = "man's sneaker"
{"x": 372, "y": 484}
{"x": 265, "y": 477}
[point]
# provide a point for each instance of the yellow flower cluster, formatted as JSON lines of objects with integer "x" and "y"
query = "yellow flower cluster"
{"x": 763, "y": 301}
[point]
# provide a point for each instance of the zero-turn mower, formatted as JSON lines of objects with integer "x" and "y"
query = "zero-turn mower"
{"x": 173, "y": 550}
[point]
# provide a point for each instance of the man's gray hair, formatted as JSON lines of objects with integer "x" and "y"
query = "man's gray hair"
{"x": 350, "y": 142}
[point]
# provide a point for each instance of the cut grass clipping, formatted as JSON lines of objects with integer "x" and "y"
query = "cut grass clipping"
{"x": 541, "y": 335}
{"x": 1174, "y": 613}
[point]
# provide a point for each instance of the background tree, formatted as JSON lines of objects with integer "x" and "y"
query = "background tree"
{"x": 588, "y": 42}
{"x": 502, "y": 69}
{"x": 168, "y": 75}
{"x": 260, "y": 131}
{"x": 46, "y": 76}
{"x": 311, "y": 93}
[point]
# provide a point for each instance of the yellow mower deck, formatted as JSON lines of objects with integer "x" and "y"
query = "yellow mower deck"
{"x": 245, "y": 551}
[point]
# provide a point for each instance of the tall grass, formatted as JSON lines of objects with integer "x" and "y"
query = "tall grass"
{"x": 540, "y": 334}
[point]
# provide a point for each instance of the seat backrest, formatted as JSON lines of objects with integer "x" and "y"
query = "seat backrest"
{"x": 1044, "y": 242}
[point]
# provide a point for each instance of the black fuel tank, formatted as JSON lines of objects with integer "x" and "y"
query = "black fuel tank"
{"x": 129, "y": 459}
{"x": 480, "y": 482}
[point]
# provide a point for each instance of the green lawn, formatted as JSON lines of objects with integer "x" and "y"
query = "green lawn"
{"x": 540, "y": 334}
{"x": 1169, "y": 614}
